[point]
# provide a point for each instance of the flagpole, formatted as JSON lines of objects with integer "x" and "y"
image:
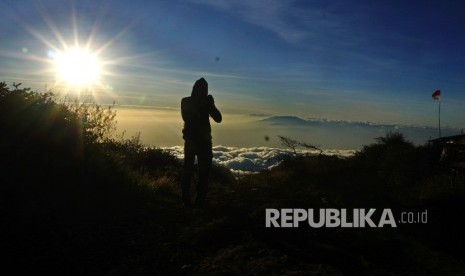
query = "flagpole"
{"x": 437, "y": 97}
{"x": 439, "y": 118}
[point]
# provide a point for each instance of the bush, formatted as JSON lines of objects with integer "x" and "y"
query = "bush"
{"x": 62, "y": 155}
{"x": 396, "y": 161}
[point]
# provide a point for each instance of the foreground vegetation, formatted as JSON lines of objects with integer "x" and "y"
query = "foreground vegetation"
{"x": 75, "y": 201}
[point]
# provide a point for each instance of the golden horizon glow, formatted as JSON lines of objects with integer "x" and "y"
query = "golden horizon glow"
{"x": 77, "y": 67}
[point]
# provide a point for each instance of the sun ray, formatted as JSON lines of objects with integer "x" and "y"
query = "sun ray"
{"x": 112, "y": 40}
{"x": 41, "y": 38}
{"x": 74, "y": 26}
{"x": 51, "y": 25}
{"x": 78, "y": 62}
{"x": 94, "y": 29}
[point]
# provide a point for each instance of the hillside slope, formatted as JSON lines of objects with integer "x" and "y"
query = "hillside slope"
{"x": 76, "y": 202}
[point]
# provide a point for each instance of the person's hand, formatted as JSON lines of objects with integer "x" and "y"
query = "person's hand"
{"x": 210, "y": 100}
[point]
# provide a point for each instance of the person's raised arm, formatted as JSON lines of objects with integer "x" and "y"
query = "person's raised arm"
{"x": 186, "y": 110}
{"x": 214, "y": 112}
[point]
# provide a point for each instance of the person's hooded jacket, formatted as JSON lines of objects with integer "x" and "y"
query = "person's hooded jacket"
{"x": 196, "y": 110}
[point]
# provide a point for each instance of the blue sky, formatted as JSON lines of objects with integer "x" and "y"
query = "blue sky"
{"x": 374, "y": 61}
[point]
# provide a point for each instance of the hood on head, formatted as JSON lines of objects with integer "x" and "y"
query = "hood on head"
{"x": 200, "y": 89}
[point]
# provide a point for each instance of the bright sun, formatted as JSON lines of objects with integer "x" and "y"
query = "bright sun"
{"x": 77, "y": 67}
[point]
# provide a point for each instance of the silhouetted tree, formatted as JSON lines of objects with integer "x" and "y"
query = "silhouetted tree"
{"x": 294, "y": 144}
{"x": 289, "y": 143}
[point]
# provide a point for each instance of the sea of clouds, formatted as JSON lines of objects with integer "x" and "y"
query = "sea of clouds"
{"x": 255, "y": 159}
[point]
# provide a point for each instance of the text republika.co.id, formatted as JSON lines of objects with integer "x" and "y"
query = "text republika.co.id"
{"x": 343, "y": 218}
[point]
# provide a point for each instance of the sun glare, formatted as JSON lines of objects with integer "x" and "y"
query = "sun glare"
{"x": 78, "y": 61}
{"x": 77, "y": 67}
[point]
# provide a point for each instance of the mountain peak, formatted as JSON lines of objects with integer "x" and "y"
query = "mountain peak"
{"x": 285, "y": 119}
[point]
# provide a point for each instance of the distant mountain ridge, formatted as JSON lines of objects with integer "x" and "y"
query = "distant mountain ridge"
{"x": 285, "y": 120}
{"x": 289, "y": 120}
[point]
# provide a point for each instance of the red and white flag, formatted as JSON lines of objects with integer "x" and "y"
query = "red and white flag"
{"x": 437, "y": 95}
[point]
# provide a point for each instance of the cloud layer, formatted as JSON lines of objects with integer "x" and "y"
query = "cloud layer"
{"x": 250, "y": 160}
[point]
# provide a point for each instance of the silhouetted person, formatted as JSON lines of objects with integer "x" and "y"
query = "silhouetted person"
{"x": 196, "y": 111}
